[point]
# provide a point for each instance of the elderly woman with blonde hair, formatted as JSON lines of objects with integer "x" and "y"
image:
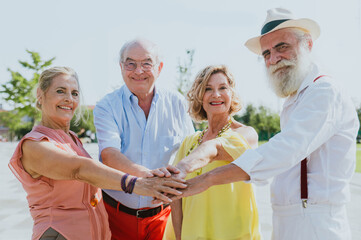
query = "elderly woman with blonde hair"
{"x": 61, "y": 180}
{"x": 226, "y": 211}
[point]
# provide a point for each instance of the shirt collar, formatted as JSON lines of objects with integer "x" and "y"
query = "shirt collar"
{"x": 314, "y": 72}
{"x": 127, "y": 93}
{"x": 131, "y": 97}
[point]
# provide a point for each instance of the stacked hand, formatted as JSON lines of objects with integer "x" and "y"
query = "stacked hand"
{"x": 193, "y": 186}
{"x": 180, "y": 173}
{"x": 161, "y": 184}
{"x": 165, "y": 171}
{"x": 167, "y": 184}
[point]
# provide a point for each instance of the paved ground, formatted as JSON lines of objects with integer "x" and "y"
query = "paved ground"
{"x": 16, "y": 223}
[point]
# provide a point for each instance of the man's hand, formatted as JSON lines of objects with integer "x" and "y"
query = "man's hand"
{"x": 194, "y": 186}
{"x": 165, "y": 171}
{"x": 159, "y": 188}
{"x": 176, "y": 174}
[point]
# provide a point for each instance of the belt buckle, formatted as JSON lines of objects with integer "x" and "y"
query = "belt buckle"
{"x": 137, "y": 213}
{"x": 304, "y": 203}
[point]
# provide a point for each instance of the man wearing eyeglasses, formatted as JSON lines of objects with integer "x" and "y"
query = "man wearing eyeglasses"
{"x": 139, "y": 127}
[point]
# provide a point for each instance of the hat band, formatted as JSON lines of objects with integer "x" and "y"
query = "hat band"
{"x": 271, "y": 25}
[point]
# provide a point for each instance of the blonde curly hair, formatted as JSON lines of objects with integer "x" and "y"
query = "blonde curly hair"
{"x": 196, "y": 93}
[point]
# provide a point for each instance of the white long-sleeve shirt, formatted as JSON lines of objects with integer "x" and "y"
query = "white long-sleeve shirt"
{"x": 318, "y": 122}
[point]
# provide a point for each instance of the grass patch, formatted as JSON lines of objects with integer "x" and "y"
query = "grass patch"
{"x": 261, "y": 142}
{"x": 358, "y": 158}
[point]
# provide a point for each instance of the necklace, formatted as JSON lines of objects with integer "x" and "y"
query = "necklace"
{"x": 200, "y": 137}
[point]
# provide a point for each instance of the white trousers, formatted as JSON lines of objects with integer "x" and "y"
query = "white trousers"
{"x": 316, "y": 222}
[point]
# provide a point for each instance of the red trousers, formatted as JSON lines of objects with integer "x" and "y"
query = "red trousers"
{"x": 128, "y": 227}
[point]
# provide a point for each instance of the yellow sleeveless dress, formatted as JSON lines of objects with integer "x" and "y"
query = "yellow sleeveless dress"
{"x": 222, "y": 212}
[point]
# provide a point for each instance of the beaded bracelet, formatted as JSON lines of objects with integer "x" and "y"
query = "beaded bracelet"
{"x": 131, "y": 185}
{"x": 122, "y": 182}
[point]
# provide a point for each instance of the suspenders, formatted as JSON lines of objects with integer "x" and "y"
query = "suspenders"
{"x": 303, "y": 178}
{"x": 304, "y": 187}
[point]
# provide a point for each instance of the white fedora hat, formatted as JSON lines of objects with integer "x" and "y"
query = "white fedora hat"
{"x": 278, "y": 18}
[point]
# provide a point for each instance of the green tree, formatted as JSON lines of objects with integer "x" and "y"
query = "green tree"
{"x": 85, "y": 123}
{"x": 17, "y": 127}
{"x": 262, "y": 119}
{"x": 19, "y": 93}
{"x": 269, "y": 123}
{"x": 359, "y": 118}
{"x": 248, "y": 116}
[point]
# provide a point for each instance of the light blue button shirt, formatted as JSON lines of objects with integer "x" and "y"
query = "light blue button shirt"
{"x": 120, "y": 123}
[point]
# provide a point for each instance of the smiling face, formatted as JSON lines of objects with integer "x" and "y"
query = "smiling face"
{"x": 217, "y": 97}
{"x": 60, "y": 100}
{"x": 141, "y": 79}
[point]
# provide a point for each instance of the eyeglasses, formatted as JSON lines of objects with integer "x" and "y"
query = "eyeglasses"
{"x": 132, "y": 65}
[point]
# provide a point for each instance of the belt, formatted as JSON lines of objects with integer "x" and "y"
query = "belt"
{"x": 139, "y": 213}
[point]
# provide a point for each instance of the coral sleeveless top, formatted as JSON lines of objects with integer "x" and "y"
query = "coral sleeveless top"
{"x": 64, "y": 205}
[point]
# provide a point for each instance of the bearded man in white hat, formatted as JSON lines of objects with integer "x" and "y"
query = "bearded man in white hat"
{"x": 312, "y": 159}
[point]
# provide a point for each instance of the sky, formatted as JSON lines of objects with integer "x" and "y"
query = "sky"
{"x": 87, "y": 36}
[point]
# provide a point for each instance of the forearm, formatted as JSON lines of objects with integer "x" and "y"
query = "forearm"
{"x": 222, "y": 175}
{"x": 44, "y": 159}
{"x": 102, "y": 176}
{"x": 177, "y": 218}
{"x": 200, "y": 157}
{"x": 97, "y": 174}
{"x": 115, "y": 159}
{"x": 226, "y": 174}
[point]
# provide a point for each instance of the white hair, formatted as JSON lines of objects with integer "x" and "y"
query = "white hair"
{"x": 150, "y": 46}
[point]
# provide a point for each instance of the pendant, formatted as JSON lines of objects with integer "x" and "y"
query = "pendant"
{"x": 94, "y": 201}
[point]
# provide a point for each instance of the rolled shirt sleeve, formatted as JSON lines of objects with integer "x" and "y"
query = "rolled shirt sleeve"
{"x": 108, "y": 131}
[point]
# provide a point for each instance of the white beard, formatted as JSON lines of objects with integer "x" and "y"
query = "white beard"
{"x": 287, "y": 76}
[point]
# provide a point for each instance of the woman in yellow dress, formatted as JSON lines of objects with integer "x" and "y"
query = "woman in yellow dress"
{"x": 222, "y": 212}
